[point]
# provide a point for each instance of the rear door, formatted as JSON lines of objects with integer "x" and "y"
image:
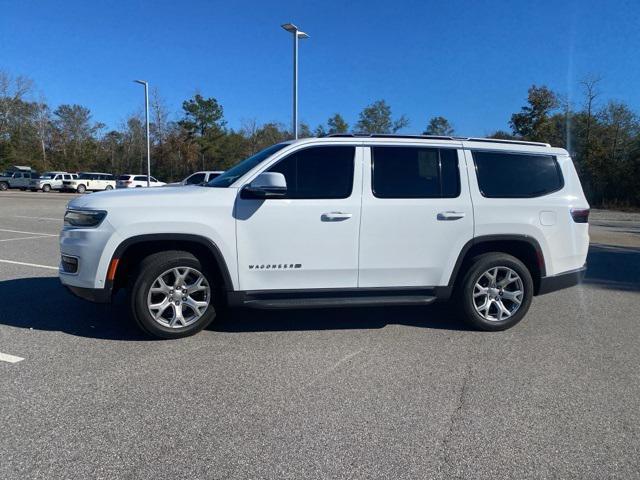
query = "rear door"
{"x": 416, "y": 215}
{"x": 309, "y": 239}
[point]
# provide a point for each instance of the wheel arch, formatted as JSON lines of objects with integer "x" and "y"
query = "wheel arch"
{"x": 132, "y": 250}
{"x": 524, "y": 247}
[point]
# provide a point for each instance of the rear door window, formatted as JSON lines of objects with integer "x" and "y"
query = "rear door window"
{"x": 517, "y": 175}
{"x": 415, "y": 172}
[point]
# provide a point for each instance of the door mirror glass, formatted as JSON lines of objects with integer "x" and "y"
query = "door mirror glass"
{"x": 266, "y": 185}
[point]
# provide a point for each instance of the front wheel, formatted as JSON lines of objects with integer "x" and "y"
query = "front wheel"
{"x": 4, "y": 186}
{"x": 46, "y": 188}
{"x": 172, "y": 295}
{"x": 108, "y": 187}
{"x": 496, "y": 292}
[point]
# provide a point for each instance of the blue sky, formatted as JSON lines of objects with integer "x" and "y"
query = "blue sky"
{"x": 471, "y": 62}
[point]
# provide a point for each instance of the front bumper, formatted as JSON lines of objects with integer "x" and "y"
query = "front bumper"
{"x": 562, "y": 280}
{"x": 95, "y": 295}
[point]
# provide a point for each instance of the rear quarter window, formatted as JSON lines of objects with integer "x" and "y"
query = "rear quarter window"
{"x": 517, "y": 175}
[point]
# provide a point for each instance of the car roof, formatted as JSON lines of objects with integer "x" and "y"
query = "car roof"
{"x": 475, "y": 143}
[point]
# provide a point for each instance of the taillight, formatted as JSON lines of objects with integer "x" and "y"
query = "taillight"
{"x": 580, "y": 215}
{"x": 128, "y": 182}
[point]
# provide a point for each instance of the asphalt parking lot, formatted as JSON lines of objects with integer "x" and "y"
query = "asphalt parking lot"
{"x": 349, "y": 393}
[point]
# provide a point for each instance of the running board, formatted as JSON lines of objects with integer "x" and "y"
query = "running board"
{"x": 337, "y": 302}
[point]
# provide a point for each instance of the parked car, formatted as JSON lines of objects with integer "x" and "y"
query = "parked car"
{"x": 90, "y": 181}
{"x": 18, "y": 177}
{"x": 490, "y": 223}
{"x": 47, "y": 181}
{"x": 197, "y": 178}
{"x": 136, "y": 181}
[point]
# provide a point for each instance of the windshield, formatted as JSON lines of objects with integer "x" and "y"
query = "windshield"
{"x": 47, "y": 176}
{"x": 231, "y": 175}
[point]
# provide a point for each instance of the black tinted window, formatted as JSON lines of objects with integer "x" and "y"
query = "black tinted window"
{"x": 140, "y": 178}
{"x": 415, "y": 172}
{"x": 318, "y": 172}
{"x": 195, "y": 179}
{"x": 514, "y": 175}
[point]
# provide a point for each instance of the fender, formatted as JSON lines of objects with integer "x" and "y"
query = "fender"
{"x": 185, "y": 237}
{"x": 496, "y": 238}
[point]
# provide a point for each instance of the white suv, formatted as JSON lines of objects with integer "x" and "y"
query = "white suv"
{"x": 137, "y": 181}
{"x": 90, "y": 181}
{"x": 198, "y": 178}
{"x": 339, "y": 221}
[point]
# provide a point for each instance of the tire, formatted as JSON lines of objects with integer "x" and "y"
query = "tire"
{"x": 108, "y": 187}
{"x": 46, "y": 188}
{"x": 81, "y": 189}
{"x": 164, "y": 265}
{"x": 495, "y": 305}
{"x": 4, "y": 186}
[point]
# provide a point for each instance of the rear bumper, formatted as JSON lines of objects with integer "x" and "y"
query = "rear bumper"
{"x": 95, "y": 295}
{"x": 562, "y": 280}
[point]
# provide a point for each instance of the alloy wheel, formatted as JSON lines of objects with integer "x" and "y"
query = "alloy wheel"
{"x": 498, "y": 293}
{"x": 179, "y": 297}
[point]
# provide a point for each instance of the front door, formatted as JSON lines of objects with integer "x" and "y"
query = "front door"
{"x": 416, "y": 215}
{"x": 309, "y": 239}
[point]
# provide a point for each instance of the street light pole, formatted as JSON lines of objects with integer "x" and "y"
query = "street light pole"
{"x": 146, "y": 119}
{"x": 297, "y": 34}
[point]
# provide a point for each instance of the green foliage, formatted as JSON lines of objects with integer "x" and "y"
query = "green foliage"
{"x": 439, "y": 126}
{"x": 337, "y": 124}
{"x": 532, "y": 121}
{"x": 376, "y": 118}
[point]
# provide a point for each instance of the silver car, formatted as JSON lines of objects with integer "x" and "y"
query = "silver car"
{"x": 49, "y": 181}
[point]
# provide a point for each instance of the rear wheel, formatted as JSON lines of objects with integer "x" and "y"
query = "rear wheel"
{"x": 496, "y": 292}
{"x": 172, "y": 295}
{"x": 81, "y": 189}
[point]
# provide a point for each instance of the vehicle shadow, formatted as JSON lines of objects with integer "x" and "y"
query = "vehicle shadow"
{"x": 613, "y": 268}
{"x": 437, "y": 316}
{"x": 42, "y": 303}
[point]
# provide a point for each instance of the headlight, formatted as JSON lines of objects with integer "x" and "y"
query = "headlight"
{"x": 84, "y": 218}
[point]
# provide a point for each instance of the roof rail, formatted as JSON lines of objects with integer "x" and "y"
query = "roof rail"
{"x": 435, "y": 137}
{"x": 391, "y": 135}
{"x": 500, "y": 140}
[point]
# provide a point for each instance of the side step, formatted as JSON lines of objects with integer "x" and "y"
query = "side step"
{"x": 337, "y": 302}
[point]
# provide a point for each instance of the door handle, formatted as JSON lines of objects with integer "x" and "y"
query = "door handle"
{"x": 450, "y": 215}
{"x": 335, "y": 216}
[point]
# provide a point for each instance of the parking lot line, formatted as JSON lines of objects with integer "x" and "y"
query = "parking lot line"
{"x": 4, "y": 357}
{"x": 38, "y": 218}
{"x": 24, "y": 238}
{"x": 28, "y": 264}
{"x": 30, "y": 233}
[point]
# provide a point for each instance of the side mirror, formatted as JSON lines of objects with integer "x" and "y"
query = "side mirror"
{"x": 266, "y": 185}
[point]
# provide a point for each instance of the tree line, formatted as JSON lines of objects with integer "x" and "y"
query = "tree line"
{"x": 602, "y": 136}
